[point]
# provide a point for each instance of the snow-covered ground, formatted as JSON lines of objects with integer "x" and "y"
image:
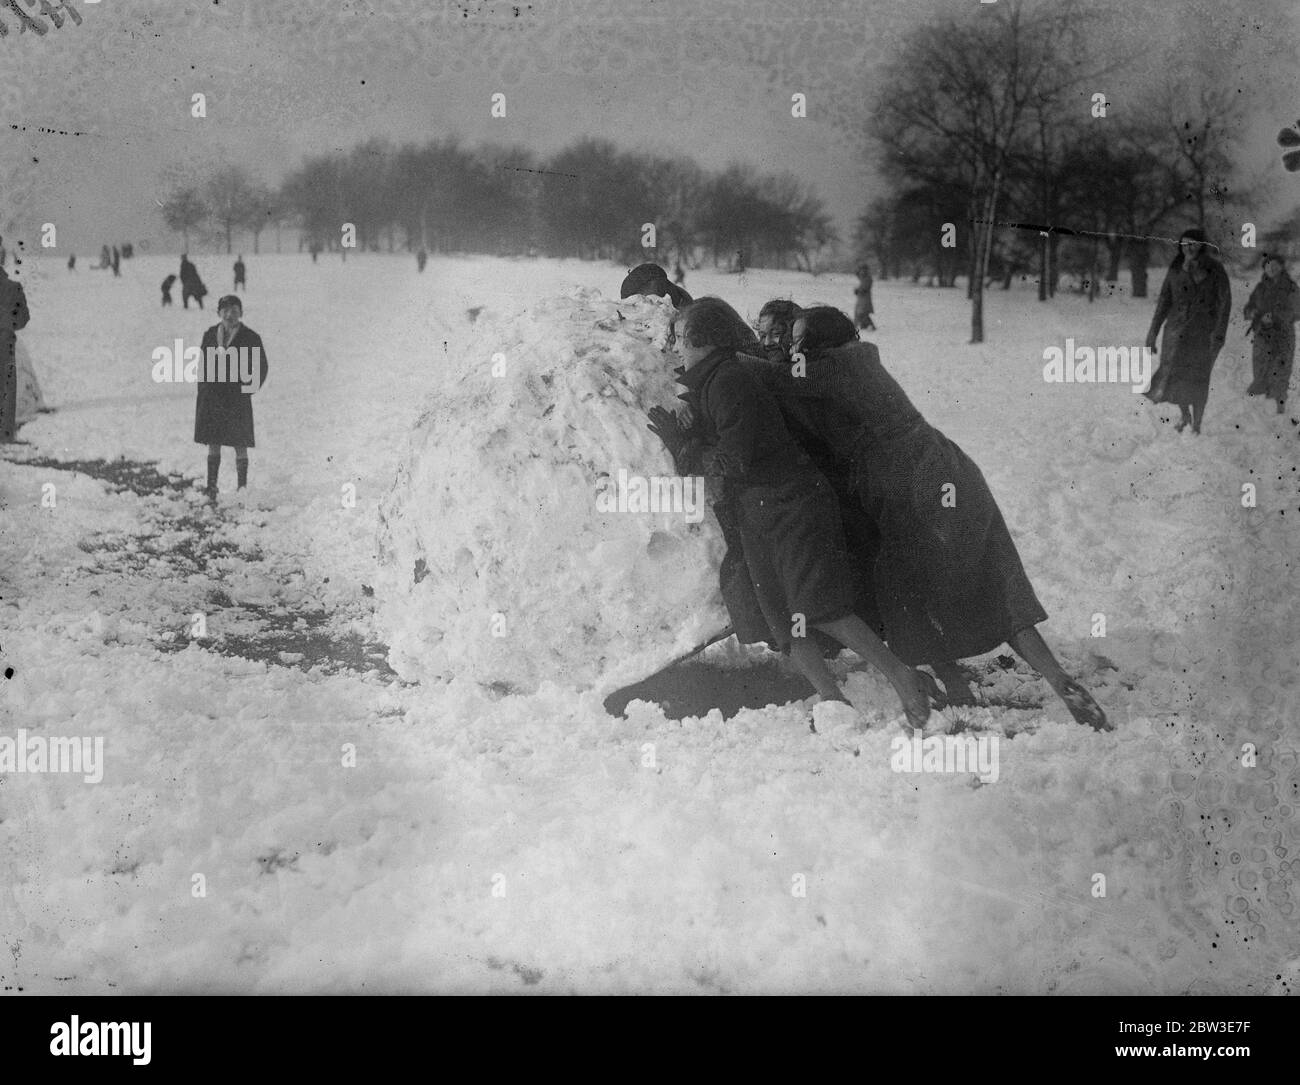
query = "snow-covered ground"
{"x": 265, "y": 825}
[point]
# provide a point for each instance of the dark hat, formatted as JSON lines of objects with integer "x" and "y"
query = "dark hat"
{"x": 229, "y": 299}
{"x": 640, "y": 277}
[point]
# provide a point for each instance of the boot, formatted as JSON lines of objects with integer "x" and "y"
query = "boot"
{"x": 214, "y": 467}
{"x": 241, "y": 469}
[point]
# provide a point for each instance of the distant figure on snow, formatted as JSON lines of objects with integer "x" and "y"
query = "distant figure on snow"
{"x": 652, "y": 281}
{"x": 72, "y": 262}
{"x": 191, "y": 285}
{"x": 13, "y": 318}
{"x": 167, "y": 289}
{"x": 739, "y": 267}
{"x": 223, "y": 412}
{"x": 1272, "y": 310}
{"x": 117, "y": 261}
{"x": 239, "y": 273}
{"x": 105, "y": 258}
{"x": 863, "y": 309}
{"x": 421, "y": 258}
{"x": 1194, "y": 306}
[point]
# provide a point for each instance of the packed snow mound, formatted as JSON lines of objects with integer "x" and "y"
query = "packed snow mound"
{"x": 30, "y": 400}
{"x": 511, "y": 552}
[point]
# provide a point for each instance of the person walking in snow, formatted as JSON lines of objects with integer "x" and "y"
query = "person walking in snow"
{"x": 239, "y": 273}
{"x": 421, "y": 258}
{"x": 1194, "y": 305}
{"x": 191, "y": 285}
{"x": 117, "y": 263}
{"x": 863, "y": 307}
{"x": 223, "y": 411}
{"x": 947, "y": 577}
{"x": 1272, "y": 311}
{"x": 13, "y": 318}
{"x": 785, "y": 512}
{"x": 167, "y": 290}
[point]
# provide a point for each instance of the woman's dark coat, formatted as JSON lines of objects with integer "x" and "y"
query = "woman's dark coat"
{"x": 191, "y": 285}
{"x": 773, "y": 502}
{"x": 863, "y": 308}
{"x": 223, "y": 412}
{"x": 1273, "y": 352}
{"x": 948, "y": 580}
{"x": 1194, "y": 307}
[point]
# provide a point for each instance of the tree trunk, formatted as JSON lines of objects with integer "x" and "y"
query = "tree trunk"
{"x": 1138, "y": 254}
{"x": 1114, "y": 255}
{"x": 256, "y": 234}
{"x": 229, "y": 248}
{"x": 1053, "y": 264}
{"x": 1043, "y": 244}
{"x": 982, "y": 263}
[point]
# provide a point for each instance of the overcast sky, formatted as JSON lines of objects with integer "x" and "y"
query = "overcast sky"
{"x": 711, "y": 78}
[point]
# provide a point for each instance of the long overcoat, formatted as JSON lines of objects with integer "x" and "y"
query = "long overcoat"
{"x": 1193, "y": 308}
{"x": 1273, "y": 351}
{"x": 223, "y": 412}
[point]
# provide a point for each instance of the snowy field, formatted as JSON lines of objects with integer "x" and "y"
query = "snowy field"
{"x": 488, "y": 842}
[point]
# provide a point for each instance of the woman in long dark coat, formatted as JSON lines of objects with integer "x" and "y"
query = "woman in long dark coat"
{"x": 863, "y": 307}
{"x": 792, "y": 540}
{"x": 1272, "y": 310}
{"x": 191, "y": 285}
{"x": 223, "y": 412}
{"x": 775, "y": 335}
{"x": 947, "y": 578}
{"x": 1194, "y": 306}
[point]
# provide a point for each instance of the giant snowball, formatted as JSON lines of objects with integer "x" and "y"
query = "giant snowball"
{"x": 502, "y": 559}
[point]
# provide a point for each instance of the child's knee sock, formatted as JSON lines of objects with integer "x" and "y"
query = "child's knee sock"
{"x": 214, "y": 467}
{"x": 241, "y": 469}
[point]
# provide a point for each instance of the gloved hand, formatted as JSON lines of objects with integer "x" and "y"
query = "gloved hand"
{"x": 665, "y": 425}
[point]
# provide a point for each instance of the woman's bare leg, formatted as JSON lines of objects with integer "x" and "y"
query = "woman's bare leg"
{"x": 855, "y": 634}
{"x": 1030, "y": 646}
{"x": 808, "y": 658}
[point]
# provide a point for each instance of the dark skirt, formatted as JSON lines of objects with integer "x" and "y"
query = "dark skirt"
{"x": 794, "y": 560}
{"x": 948, "y": 580}
{"x": 737, "y": 589}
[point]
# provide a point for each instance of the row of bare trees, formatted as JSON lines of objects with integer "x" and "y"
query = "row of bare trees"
{"x": 590, "y": 200}
{"x": 989, "y": 122}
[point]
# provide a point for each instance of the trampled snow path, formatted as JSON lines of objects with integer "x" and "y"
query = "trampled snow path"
{"x": 617, "y": 866}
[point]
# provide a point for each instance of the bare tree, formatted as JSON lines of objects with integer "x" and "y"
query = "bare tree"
{"x": 229, "y": 196}
{"x": 185, "y": 211}
{"x": 969, "y": 86}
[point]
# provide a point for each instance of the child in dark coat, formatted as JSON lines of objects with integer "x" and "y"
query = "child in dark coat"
{"x": 223, "y": 411}
{"x": 785, "y": 512}
{"x": 167, "y": 289}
